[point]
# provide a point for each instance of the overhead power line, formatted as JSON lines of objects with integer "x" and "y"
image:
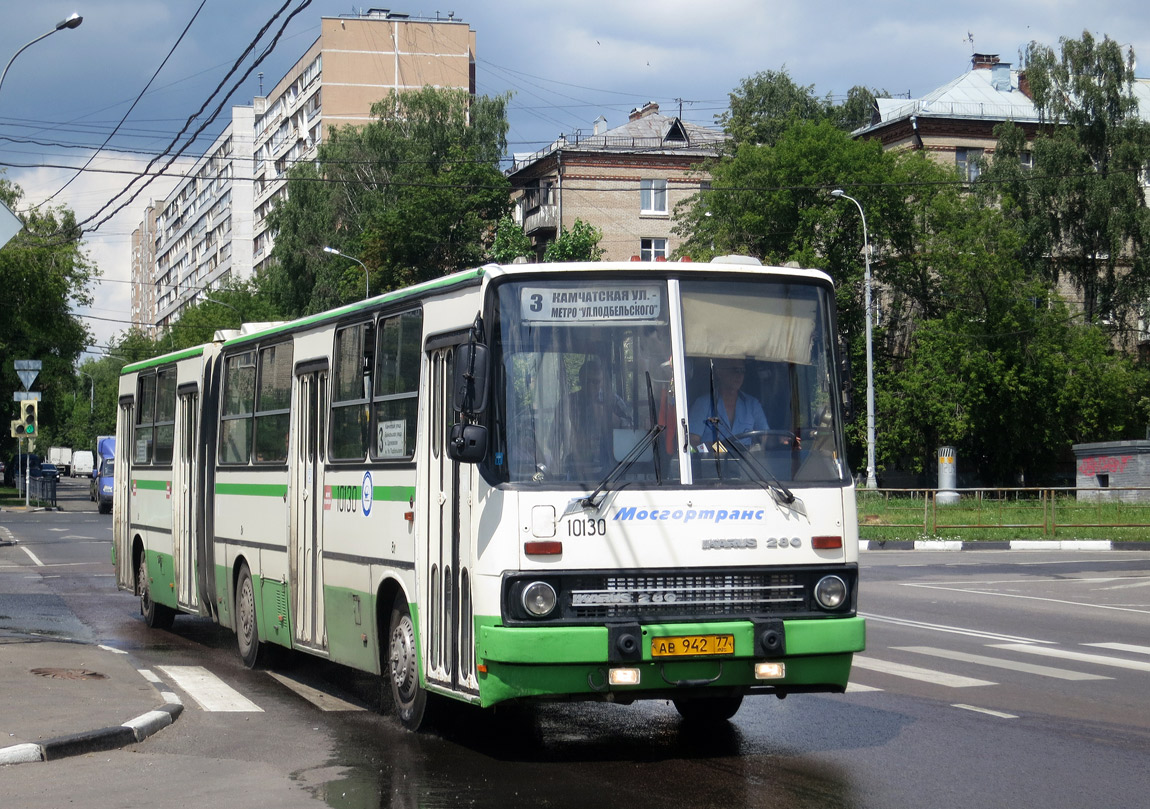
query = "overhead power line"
{"x": 116, "y": 129}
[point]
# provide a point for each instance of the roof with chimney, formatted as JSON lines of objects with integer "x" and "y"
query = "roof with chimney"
{"x": 990, "y": 90}
{"x": 646, "y": 132}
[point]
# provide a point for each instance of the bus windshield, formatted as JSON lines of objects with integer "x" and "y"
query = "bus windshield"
{"x": 585, "y": 369}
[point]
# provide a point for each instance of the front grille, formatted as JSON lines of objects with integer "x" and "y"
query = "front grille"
{"x": 703, "y": 595}
{"x": 596, "y": 597}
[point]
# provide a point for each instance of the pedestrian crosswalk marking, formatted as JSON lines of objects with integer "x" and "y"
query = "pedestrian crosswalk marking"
{"x": 209, "y": 691}
{"x": 1121, "y": 647}
{"x": 1101, "y": 660}
{"x": 915, "y": 673}
{"x": 994, "y": 662}
{"x": 321, "y": 699}
{"x": 986, "y": 711}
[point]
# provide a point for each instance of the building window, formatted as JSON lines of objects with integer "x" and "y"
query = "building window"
{"x": 653, "y": 249}
{"x": 967, "y": 162}
{"x": 1026, "y": 160}
{"x": 653, "y": 196}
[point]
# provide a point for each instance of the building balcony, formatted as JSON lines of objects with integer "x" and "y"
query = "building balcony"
{"x": 541, "y": 217}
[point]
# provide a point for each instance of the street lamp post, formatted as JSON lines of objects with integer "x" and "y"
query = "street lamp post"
{"x": 871, "y": 482}
{"x": 72, "y": 22}
{"x": 366, "y": 279}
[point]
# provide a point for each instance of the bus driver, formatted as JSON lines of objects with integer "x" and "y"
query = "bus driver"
{"x": 738, "y": 411}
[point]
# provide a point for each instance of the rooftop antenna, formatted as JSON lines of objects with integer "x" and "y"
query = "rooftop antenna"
{"x": 261, "y": 75}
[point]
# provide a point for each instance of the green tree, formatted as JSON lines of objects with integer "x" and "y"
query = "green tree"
{"x": 510, "y": 242}
{"x": 45, "y": 273}
{"x": 580, "y": 243}
{"x": 767, "y": 104}
{"x": 415, "y": 194}
{"x": 1085, "y": 194}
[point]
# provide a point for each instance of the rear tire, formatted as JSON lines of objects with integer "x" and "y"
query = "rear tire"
{"x": 247, "y": 626}
{"x": 408, "y": 697}
{"x": 156, "y": 616}
{"x": 708, "y": 710}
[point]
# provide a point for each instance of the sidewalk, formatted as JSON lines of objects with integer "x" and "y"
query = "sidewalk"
{"x": 61, "y": 699}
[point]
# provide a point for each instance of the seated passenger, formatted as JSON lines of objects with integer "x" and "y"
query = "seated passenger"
{"x": 738, "y": 411}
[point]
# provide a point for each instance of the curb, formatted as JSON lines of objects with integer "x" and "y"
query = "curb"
{"x": 1011, "y": 545}
{"x": 94, "y": 741}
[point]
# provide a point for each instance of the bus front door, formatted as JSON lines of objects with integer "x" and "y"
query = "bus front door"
{"x": 450, "y": 648}
{"x": 306, "y": 563}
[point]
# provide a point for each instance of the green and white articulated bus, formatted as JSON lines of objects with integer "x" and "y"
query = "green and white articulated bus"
{"x": 608, "y": 481}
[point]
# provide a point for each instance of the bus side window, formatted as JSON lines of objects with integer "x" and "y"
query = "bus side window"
{"x": 273, "y": 404}
{"x": 396, "y": 379}
{"x": 349, "y": 402}
{"x": 236, "y": 415}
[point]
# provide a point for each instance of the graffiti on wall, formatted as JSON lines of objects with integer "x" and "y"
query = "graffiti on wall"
{"x": 1104, "y": 465}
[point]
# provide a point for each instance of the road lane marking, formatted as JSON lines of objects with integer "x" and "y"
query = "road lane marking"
{"x": 209, "y": 691}
{"x": 986, "y": 711}
{"x": 32, "y": 555}
{"x": 954, "y": 630}
{"x": 1122, "y": 647}
{"x": 1101, "y": 660}
{"x": 915, "y": 673}
{"x": 995, "y": 662}
{"x": 976, "y": 591}
{"x": 858, "y": 688}
{"x": 321, "y": 699}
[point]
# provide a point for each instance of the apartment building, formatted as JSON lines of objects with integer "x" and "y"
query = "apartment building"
{"x": 213, "y": 226}
{"x": 625, "y": 181}
{"x": 355, "y": 62}
{"x": 143, "y": 307}
{"x": 203, "y": 229}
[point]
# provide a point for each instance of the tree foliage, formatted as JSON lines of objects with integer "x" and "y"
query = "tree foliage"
{"x": 767, "y": 104}
{"x": 414, "y": 195}
{"x": 510, "y": 242}
{"x": 580, "y": 243}
{"x": 44, "y": 273}
{"x": 1085, "y": 198}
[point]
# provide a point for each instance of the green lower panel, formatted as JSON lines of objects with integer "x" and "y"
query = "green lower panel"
{"x": 275, "y": 612}
{"x": 553, "y": 661}
{"x": 351, "y": 632}
{"x": 161, "y": 578}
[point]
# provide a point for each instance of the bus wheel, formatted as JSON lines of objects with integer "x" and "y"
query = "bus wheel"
{"x": 247, "y": 630}
{"x": 402, "y": 670}
{"x": 156, "y": 616}
{"x": 708, "y": 709}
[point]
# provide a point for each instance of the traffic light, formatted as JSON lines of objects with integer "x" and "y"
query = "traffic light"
{"x": 29, "y": 418}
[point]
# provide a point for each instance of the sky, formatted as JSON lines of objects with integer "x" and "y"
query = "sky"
{"x": 153, "y": 63}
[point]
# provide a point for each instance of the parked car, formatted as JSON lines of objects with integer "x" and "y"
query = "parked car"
{"x": 48, "y": 470}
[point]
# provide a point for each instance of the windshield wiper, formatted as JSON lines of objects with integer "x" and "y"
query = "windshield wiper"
{"x": 768, "y": 481}
{"x": 618, "y": 471}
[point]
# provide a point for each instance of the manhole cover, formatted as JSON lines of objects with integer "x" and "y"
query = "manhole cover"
{"x": 69, "y": 674}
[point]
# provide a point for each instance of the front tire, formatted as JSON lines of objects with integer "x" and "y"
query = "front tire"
{"x": 247, "y": 626}
{"x": 408, "y": 697}
{"x": 708, "y": 710}
{"x": 156, "y": 616}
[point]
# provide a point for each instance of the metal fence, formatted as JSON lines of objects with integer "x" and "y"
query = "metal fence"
{"x": 41, "y": 491}
{"x": 1046, "y": 510}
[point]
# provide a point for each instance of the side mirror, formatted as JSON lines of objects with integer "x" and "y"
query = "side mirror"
{"x": 467, "y": 443}
{"x": 471, "y": 375}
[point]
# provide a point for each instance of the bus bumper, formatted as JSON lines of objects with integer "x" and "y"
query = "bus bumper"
{"x": 541, "y": 662}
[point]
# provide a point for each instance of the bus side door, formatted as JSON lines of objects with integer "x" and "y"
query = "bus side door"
{"x": 449, "y": 658}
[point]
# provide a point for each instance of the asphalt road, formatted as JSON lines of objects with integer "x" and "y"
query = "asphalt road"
{"x": 991, "y": 679}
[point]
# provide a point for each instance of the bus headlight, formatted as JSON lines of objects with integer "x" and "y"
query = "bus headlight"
{"x": 539, "y": 599}
{"x": 830, "y": 592}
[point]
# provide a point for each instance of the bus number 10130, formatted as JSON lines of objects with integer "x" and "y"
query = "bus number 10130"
{"x": 587, "y": 528}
